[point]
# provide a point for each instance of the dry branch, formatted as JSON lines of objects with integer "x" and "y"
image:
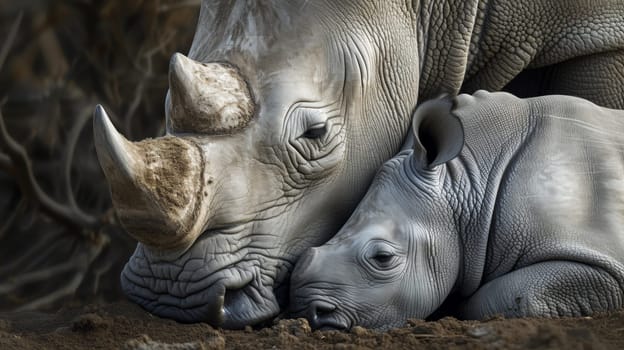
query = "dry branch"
{"x": 17, "y": 163}
{"x": 8, "y": 222}
{"x": 8, "y": 43}
{"x": 72, "y": 142}
{"x": 113, "y": 52}
{"x": 5, "y": 161}
{"x": 179, "y": 4}
{"x": 21, "y": 167}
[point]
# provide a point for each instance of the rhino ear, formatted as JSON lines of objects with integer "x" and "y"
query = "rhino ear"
{"x": 438, "y": 134}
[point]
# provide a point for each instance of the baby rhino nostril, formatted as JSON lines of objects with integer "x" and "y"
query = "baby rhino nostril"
{"x": 317, "y": 310}
{"x": 323, "y": 308}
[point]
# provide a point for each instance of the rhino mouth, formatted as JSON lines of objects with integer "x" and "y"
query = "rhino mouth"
{"x": 321, "y": 314}
{"x": 331, "y": 323}
{"x": 195, "y": 287}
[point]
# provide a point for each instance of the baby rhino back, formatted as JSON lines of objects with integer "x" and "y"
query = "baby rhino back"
{"x": 559, "y": 206}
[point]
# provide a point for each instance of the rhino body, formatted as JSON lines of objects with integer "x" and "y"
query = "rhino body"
{"x": 523, "y": 218}
{"x": 283, "y": 111}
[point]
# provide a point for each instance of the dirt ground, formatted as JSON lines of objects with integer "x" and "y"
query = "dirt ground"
{"x": 123, "y": 325}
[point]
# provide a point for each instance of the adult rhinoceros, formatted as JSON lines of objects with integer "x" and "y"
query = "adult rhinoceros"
{"x": 285, "y": 109}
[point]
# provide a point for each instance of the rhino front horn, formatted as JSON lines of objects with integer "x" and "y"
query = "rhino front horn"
{"x": 113, "y": 150}
{"x": 154, "y": 184}
{"x": 207, "y": 98}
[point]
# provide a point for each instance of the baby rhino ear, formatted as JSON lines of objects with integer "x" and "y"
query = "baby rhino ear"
{"x": 438, "y": 134}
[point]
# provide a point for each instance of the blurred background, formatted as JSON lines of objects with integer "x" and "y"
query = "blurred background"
{"x": 59, "y": 240}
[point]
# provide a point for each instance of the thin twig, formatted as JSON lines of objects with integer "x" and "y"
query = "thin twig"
{"x": 72, "y": 141}
{"x": 29, "y": 185}
{"x": 67, "y": 290}
{"x": 136, "y": 102}
{"x": 8, "y": 43}
{"x": 83, "y": 261}
{"x": 40, "y": 275}
{"x": 5, "y": 162}
{"x": 38, "y": 253}
{"x": 52, "y": 53}
{"x": 179, "y": 4}
{"x": 11, "y": 219}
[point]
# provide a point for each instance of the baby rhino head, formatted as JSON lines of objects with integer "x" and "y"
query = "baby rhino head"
{"x": 398, "y": 255}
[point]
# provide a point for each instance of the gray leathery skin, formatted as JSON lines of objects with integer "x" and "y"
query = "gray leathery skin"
{"x": 525, "y": 220}
{"x": 325, "y": 92}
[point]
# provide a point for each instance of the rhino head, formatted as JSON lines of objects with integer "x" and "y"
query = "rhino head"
{"x": 276, "y": 123}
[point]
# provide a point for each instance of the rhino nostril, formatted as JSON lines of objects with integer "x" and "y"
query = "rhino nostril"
{"x": 324, "y": 310}
{"x": 318, "y": 309}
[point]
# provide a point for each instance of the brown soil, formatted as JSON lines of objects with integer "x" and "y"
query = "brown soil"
{"x": 125, "y": 326}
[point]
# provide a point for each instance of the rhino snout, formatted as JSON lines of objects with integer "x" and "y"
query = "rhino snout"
{"x": 319, "y": 314}
{"x": 309, "y": 296}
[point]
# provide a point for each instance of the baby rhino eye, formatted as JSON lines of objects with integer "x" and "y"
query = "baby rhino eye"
{"x": 383, "y": 257}
{"x": 315, "y": 131}
{"x": 380, "y": 256}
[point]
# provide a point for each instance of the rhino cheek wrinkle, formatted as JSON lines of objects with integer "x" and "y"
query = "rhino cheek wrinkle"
{"x": 522, "y": 222}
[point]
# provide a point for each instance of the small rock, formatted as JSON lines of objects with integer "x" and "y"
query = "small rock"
{"x": 479, "y": 331}
{"x": 89, "y": 323}
{"x": 414, "y": 322}
{"x": 211, "y": 332}
{"x": 358, "y": 331}
{"x": 339, "y": 337}
{"x": 297, "y": 327}
{"x": 216, "y": 342}
{"x": 138, "y": 342}
{"x": 144, "y": 342}
{"x": 320, "y": 335}
{"x": 300, "y": 327}
{"x": 265, "y": 332}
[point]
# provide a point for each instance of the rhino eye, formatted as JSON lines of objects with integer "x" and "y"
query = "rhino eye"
{"x": 383, "y": 259}
{"x": 315, "y": 132}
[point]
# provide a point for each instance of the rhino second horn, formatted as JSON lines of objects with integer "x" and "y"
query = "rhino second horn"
{"x": 207, "y": 98}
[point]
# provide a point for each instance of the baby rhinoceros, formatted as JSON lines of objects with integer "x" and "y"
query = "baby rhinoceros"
{"x": 505, "y": 205}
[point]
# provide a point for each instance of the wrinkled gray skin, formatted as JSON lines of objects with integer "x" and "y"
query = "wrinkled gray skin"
{"x": 284, "y": 111}
{"x": 522, "y": 218}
